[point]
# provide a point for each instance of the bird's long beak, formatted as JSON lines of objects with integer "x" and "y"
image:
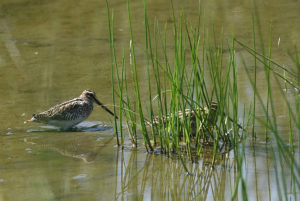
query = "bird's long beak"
{"x": 105, "y": 108}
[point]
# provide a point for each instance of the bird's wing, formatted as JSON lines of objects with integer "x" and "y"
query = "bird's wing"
{"x": 60, "y": 111}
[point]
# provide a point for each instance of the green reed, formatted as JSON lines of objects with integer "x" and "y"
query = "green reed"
{"x": 254, "y": 83}
{"x": 149, "y": 49}
{"x": 113, "y": 62}
{"x": 137, "y": 90}
{"x": 297, "y": 101}
{"x": 268, "y": 81}
{"x": 291, "y": 78}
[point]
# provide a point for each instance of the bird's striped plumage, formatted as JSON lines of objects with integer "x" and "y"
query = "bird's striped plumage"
{"x": 207, "y": 112}
{"x": 69, "y": 113}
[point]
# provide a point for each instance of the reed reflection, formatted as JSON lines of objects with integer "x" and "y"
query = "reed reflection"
{"x": 145, "y": 176}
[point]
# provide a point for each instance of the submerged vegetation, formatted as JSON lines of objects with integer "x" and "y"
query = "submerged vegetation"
{"x": 182, "y": 113}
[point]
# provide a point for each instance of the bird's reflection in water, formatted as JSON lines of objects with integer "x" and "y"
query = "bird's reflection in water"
{"x": 81, "y": 142}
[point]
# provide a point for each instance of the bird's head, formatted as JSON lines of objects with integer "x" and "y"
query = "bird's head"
{"x": 91, "y": 95}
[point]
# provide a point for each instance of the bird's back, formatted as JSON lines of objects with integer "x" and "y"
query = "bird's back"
{"x": 66, "y": 111}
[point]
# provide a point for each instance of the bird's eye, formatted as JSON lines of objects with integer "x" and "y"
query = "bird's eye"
{"x": 90, "y": 95}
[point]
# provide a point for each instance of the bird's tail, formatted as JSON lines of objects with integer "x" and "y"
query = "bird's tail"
{"x": 30, "y": 120}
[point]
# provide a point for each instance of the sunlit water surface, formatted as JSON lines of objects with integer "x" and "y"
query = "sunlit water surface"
{"x": 52, "y": 50}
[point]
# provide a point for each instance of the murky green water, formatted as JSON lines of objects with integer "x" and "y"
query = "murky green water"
{"x": 50, "y": 51}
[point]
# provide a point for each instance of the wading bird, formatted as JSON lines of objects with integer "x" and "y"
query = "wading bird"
{"x": 69, "y": 113}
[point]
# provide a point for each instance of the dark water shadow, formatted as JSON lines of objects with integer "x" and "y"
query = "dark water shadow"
{"x": 86, "y": 126}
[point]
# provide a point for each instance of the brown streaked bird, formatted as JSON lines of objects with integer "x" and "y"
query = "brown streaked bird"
{"x": 210, "y": 112}
{"x": 70, "y": 113}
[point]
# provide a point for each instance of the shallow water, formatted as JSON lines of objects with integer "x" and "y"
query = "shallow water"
{"x": 52, "y": 50}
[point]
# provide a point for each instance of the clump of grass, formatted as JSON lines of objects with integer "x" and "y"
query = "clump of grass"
{"x": 178, "y": 89}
